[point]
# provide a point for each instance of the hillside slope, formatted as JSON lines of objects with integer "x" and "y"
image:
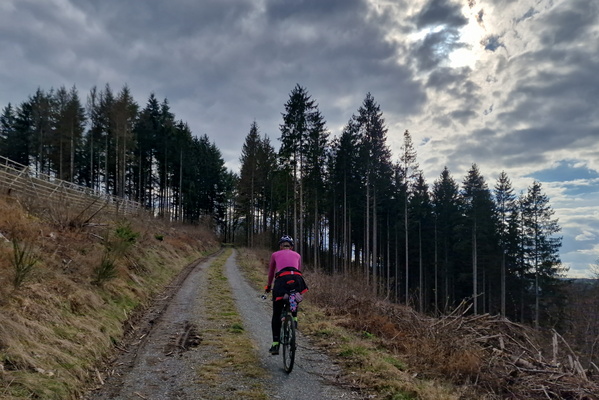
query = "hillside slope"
{"x": 66, "y": 290}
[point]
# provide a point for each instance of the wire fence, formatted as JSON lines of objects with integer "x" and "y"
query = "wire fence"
{"x": 22, "y": 181}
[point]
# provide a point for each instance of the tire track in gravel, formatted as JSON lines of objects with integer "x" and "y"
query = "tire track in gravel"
{"x": 165, "y": 353}
{"x": 156, "y": 366}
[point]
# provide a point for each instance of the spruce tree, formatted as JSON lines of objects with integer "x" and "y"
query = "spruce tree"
{"x": 376, "y": 170}
{"x": 447, "y": 205}
{"x": 506, "y": 208}
{"x": 247, "y": 186}
{"x": 409, "y": 171}
{"x": 541, "y": 248}
{"x": 480, "y": 212}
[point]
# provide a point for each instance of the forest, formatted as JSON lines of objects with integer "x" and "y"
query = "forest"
{"x": 351, "y": 208}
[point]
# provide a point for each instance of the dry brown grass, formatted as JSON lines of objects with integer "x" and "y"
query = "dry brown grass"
{"x": 57, "y": 327}
{"x": 401, "y": 354}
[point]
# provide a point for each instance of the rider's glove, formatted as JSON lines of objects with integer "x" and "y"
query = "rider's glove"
{"x": 266, "y": 289}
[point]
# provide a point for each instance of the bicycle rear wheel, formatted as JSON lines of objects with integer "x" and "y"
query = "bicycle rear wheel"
{"x": 288, "y": 342}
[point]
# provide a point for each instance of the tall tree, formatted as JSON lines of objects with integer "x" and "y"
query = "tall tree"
{"x": 344, "y": 188}
{"x": 480, "y": 212}
{"x": 409, "y": 171}
{"x": 506, "y": 208}
{"x": 147, "y": 131}
{"x": 447, "y": 205}
{"x": 541, "y": 246}
{"x": 9, "y": 141}
{"x": 421, "y": 215}
{"x": 247, "y": 185}
{"x": 43, "y": 125}
{"x": 301, "y": 132}
{"x": 124, "y": 117}
{"x": 93, "y": 141}
{"x": 316, "y": 149}
{"x": 377, "y": 172}
{"x": 70, "y": 126}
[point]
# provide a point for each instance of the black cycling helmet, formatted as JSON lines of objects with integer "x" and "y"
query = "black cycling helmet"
{"x": 286, "y": 239}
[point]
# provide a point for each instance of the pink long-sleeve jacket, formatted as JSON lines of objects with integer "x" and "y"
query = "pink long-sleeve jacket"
{"x": 282, "y": 259}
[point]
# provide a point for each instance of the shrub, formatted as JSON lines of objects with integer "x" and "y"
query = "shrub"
{"x": 124, "y": 238}
{"x": 23, "y": 262}
{"x": 105, "y": 271}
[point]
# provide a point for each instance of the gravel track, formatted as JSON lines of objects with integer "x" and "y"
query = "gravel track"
{"x": 159, "y": 361}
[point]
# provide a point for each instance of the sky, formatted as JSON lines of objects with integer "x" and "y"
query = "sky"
{"x": 508, "y": 85}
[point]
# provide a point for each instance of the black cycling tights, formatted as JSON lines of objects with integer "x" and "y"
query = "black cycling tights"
{"x": 277, "y": 308}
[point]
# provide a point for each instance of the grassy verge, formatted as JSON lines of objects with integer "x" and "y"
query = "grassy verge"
{"x": 57, "y": 326}
{"x": 234, "y": 370}
{"x": 356, "y": 344}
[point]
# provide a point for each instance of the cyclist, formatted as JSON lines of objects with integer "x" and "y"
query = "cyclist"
{"x": 285, "y": 268}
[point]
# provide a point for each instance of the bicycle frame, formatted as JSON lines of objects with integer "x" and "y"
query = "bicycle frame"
{"x": 288, "y": 339}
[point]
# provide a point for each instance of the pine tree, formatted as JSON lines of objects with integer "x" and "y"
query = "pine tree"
{"x": 316, "y": 149}
{"x": 541, "y": 247}
{"x": 247, "y": 185}
{"x": 408, "y": 173}
{"x": 302, "y": 137}
{"x": 147, "y": 130}
{"x": 506, "y": 208}
{"x": 480, "y": 212}
{"x": 90, "y": 172}
{"x": 7, "y": 132}
{"x": 43, "y": 129}
{"x": 421, "y": 215}
{"x": 344, "y": 188}
{"x": 124, "y": 116}
{"x": 447, "y": 205}
{"x": 376, "y": 171}
{"x": 70, "y": 125}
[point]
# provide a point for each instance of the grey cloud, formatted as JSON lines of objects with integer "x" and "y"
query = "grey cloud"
{"x": 492, "y": 43}
{"x": 441, "y": 12}
{"x": 313, "y": 10}
{"x": 571, "y": 23}
{"x": 434, "y": 49}
{"x": 529, "y": 14}
{"x": 463, "y": 116}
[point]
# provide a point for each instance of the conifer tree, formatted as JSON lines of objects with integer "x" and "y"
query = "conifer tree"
{"x": 147, "y": 131}
{"x": 302, "y": 137}
{"x": 8, "y": 133}
{"x": 247, "y": 185}
{"x": 447, "y": 205}
{"x": 376, "y": 171}
{"x": 506, "y": 208}
{"x": 42, "y": 129}
{"x": 480, "y": 213}
{"x": 420, "y": 210}
{"x": 541, "y": 246}
{"x": 408, "y": 173}
{"x": 91, "y": 172}
{"x": 70, "y": 125}
{"x": 344, "y": 189}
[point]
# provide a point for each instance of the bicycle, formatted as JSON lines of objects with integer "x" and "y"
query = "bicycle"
{"x": 288, "y": 342}
{"x": 287, "y": 338}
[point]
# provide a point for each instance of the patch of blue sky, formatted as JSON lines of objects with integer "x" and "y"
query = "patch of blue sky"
{"x": 566, "y": 171}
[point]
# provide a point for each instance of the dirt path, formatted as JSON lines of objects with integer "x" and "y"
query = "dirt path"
{"x": 166, "y": 354}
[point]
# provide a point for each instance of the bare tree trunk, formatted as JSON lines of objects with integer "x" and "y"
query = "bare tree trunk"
{"x": 474, "y": 270}
{"x": 367, "y": 233}
{"x": 407, "y": 277}
{"x": 421, "y": 268}
{"x": 375, "y": 263}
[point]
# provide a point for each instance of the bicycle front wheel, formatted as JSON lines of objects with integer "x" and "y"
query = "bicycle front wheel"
{"x": 288, "y": 342}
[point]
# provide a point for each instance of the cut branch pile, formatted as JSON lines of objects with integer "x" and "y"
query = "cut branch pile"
{"x": 502, "y": 359}
{"x": 488, "y": 355}
{"x": 514, "y": 363}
